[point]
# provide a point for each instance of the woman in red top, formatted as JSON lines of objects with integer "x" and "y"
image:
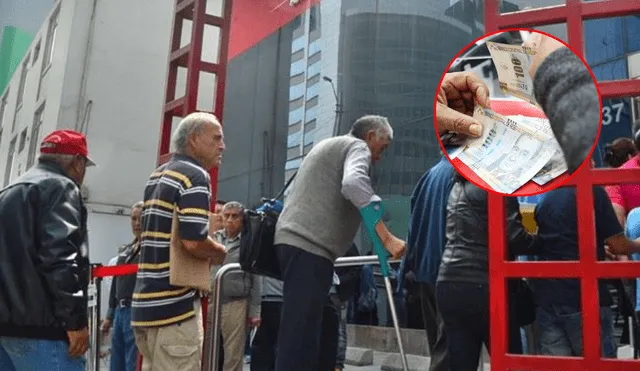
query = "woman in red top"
{"x": 626, "y": 197}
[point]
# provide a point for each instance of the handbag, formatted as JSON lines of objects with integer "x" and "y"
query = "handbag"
{"x": 257, "y": 252}
{"x": 185, "y": 270}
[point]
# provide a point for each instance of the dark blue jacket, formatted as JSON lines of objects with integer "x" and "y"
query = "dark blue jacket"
{"x": 426, "y": 239}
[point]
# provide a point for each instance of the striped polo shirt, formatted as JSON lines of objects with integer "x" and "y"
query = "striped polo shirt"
{"x": 183, "y": 185}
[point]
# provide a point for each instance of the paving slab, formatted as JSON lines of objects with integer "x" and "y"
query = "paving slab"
{"x": 393, "y": 362}
{"x": 359, "y": 356}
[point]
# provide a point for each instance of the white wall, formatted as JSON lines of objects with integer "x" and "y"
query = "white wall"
{"x": 114, "y": 61}
{"x": 125, "y": 88}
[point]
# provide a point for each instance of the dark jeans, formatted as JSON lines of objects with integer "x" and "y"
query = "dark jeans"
{"x": 265, "y": 343}
{"x": 307, "y": 279}
{"x": 17, "y": 354}
{"x": 329, "y": 336}
{"x": 124, "y": 353}
{"x": 561, "y": 332}
{"x": 465, "y": 310}
{"x": 435, "y": 328}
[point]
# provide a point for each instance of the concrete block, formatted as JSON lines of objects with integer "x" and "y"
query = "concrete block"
{"x": 383, "y": 339}
{"x": 625, "y": 352}
{"x": 359, "y": 356}
{"x": 393, "y": 362}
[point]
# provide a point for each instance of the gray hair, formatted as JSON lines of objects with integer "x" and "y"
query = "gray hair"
{"x": 191, "y": 124}
{"x": 379, "y": 124}
{"x": 62, "y": 160}
{"x": 233, "y": 205}
{"x": 137, "y": 205}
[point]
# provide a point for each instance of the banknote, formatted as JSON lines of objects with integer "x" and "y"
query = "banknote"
{"x": 553, "y": 169}
{"x": 509, "y": 153}
{"x": 512, "y": 63}
{"x": 556, "y": 165}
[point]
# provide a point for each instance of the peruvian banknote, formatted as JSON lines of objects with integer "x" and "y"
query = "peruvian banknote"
{"x": 509, "y": 153}
{"x": 553, "y": 169}
{"x": 556, "y": 165}
{"x": 512, "y": 63}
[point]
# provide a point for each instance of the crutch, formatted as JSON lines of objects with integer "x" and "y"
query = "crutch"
{"x": 371, "y": 215}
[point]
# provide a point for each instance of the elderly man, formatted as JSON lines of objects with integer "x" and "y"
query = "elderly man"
{"x": 123, "y": 346}
{"x": 44, "y": 261}
{"x": 167, "y": 320}
{"x": 318, "y": 224}
{"x": 240, "y": 296}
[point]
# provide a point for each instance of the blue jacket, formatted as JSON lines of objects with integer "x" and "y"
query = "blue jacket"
{"x": 426, "y": 240}
{"x": 633, "y": 232}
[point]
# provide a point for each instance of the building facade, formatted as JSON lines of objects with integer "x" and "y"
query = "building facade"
{"x": 98, "y": 69}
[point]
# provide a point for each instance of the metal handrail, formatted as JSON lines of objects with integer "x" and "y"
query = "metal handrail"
{"x": 214, "y": 308}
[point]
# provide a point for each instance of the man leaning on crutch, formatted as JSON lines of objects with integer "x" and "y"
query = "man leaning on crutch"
{"x": 317, "y": 225}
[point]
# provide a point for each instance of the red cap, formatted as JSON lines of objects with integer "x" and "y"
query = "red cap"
{"x": 66, "y": 142}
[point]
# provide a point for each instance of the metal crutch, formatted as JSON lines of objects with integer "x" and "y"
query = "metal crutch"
{"x": 371, "y": 215}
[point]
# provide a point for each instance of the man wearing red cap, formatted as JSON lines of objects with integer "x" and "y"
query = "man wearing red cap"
{"x": 44, "y": 261}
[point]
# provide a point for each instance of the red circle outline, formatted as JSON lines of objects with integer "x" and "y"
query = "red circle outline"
{"x": 544, "y": 189}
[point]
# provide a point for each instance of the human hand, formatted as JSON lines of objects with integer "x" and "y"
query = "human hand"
{"x": 218, "y": 254}
{"x": 457, "y": 97}
{"x": 106, "y": 326}
{"x": 395, "y": 246}
{"x": 253, "y": 322}
{"x": 78, "y": 342}
{"x": 543, "y": 45}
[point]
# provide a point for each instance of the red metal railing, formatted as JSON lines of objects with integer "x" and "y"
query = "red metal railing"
{"x": 588, "y": 269}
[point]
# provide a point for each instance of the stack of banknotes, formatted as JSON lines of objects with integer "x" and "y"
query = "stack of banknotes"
{"x": 512, "y": 150}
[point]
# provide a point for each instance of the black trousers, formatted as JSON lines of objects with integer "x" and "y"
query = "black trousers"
{"x": 465, "y": 310}
{"x": 307, "y": 279}
{"x": 265, "y": 343}
{"x": 434, "y": 326}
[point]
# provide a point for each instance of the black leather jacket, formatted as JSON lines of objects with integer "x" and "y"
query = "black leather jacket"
{"x": 465, "y": 257}
{"x": 44, "y": 261}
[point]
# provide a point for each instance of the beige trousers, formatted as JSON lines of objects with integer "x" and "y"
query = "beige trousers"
{"x": 233, "y": 327}
{"x": 173, "y": 347}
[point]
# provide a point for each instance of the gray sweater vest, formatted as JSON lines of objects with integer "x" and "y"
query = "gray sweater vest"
{"x": 316, "y": 217}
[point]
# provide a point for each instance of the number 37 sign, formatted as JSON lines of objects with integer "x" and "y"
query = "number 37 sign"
{"x": 615, "y": 111}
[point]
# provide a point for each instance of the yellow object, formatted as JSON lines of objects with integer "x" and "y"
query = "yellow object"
{"x": 528, "y": 220}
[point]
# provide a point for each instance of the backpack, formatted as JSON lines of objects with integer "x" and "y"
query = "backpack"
{"x": 368, "y": 290}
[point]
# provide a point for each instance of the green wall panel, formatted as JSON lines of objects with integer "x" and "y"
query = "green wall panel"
{"x": 14, "y": 44}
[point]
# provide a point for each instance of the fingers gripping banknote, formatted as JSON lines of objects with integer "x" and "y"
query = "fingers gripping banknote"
{"x": 512, "y": 63}
{"x": 509, "y": 153}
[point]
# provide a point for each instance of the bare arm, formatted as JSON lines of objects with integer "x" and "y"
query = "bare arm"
{"x": 205, "y": 249}
{"x": 621, "y": 245}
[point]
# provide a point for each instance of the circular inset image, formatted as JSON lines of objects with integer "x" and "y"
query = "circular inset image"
{"x": 517, "y": 112}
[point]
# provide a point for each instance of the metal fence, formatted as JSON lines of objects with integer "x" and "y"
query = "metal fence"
{"x": 214, "y": 308}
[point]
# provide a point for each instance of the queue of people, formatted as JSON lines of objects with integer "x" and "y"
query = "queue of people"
{"x": 45, "y": 267}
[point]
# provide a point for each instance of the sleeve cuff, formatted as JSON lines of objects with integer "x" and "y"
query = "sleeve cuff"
{"x": 374, "y": 198}
{"x": 78, "y": 323}
{"x": 254, "y": 311}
